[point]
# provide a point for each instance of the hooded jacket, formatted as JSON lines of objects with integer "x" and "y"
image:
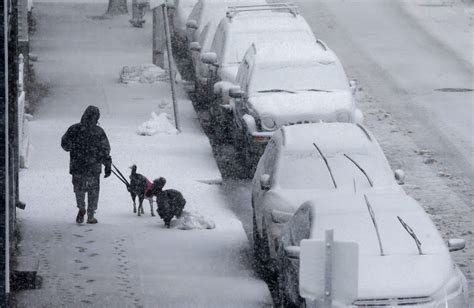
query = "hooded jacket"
{"x": 87, "y": 144}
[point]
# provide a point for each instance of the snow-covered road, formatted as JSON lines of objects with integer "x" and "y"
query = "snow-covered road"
{"x": 125, "y": 260}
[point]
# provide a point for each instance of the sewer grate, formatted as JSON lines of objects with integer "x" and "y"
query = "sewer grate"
{"x": 454, "y": 90}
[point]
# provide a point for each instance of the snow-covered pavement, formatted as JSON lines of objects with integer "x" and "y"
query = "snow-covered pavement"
{"x": 125, "y": 260}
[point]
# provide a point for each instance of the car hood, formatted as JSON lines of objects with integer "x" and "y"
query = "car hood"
{"x": 288, "y": 108}
{"x": 401, "y": 271}
{"x": 403, "y": 275}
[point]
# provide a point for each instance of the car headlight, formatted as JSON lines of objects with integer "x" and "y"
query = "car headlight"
{"x": 343, "y": 117}
{"x": 268, "y": 123}
{"x": 452, "y": 293}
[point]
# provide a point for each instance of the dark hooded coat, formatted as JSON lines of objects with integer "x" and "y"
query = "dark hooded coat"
{"x": 88, "y": 145}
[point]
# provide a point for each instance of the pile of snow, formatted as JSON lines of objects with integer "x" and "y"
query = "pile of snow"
{"x": 145, "y": 73}
{"x": 190, "y": 221}
{"x": 157, "y": 124}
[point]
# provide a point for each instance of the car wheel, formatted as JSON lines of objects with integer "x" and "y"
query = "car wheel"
{"x": 287, "y": 294}
{"x": 220, "y": 126}
{"x": 257, "y": 242}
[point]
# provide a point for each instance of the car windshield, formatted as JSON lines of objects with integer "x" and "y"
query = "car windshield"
{"x": 238, "y": 43}
{"x": 308, "y": 170}
{"x": 325, "y": 77}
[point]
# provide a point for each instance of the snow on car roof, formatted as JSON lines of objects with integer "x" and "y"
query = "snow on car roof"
{"x": 330, "y": 138}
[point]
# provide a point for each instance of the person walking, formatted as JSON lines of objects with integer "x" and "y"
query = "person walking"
{"x": 89, "y": 149}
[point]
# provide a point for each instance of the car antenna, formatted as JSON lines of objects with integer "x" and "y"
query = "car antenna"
{"x": 355, "y": 187}
{"x": 327, "y": 164}
{"x": 372, "y": 215}
{"x": 371, "y": 183}
{"x": 412, "y": 234}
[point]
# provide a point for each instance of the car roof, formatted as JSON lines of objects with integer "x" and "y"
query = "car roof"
{"x": 331, "y": 138}
{"x": 349, "y": 216}
{"x": 282, "y": 53}
{"x": 266, "y": 20}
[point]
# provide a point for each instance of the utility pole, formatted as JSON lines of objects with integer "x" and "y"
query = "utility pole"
{"x": 170, "y": 65}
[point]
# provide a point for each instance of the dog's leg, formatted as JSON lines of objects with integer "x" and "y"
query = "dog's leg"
{"x": 151, "y": 206}
{"x": 134, "y": 203}
{"x": 140, "y": 205}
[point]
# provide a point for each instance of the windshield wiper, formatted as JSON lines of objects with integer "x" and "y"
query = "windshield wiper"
{"x": 371, "y": 183}
{"x": 412, "y": 234}
{"x": 316, "y": 90}
{"x": 327, "y": 164}
{"x": 275, "y": 91}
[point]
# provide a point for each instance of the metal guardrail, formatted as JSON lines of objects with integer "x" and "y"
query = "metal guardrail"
{"x": 288, "y": 7}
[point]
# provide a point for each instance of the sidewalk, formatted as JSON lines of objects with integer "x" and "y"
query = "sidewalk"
{"x": 125, "y": 260}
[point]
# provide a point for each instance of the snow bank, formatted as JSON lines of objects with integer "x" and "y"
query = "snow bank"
{"x": 190, "y": 221}
{"x": 157, "y": 124}
{"x": 145, "y": 73}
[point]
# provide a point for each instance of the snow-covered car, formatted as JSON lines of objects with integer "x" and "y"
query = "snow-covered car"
{"x": 385, "y": 251}
{"x": 282, "y": 84}
{"x": 308, "y": 161}
{"x": 243, "y": 26}
{"x": 201, "y": 27}
{"x": 179, "y": 17}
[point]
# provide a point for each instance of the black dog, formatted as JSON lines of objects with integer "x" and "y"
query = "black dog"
{"x": 140, "y": 186}
{"x": 169, "y": 202}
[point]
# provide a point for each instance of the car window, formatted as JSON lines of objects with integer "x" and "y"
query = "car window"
{"x": 242, "y": 76}
{"x": 301, "y": 170}
{"x": 271, "y": 154}
{"x": 300, "y": 225}
{"x": 195, "y": 12}
{"x": 217, "y": 42}
{"x": 202, "y": 36}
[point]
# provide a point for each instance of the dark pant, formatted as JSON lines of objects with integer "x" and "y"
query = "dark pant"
{"x": 86, "y": 184}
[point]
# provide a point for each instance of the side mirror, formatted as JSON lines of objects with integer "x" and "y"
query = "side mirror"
{"x": 191, "y": 24}
{"x": 194, "y": 46}
{"x": 265, "y": 182}
{"x": 359, "y": 116}
{"x": 170, "y": 4}
{"x": 400, "y": 176}
{"x": 456, "y": 244}
{"x": 293, "y": 252}
{"x": 353, "y": 86}
{"x": 209, "y": 58}
{"x": 236, "y": 92}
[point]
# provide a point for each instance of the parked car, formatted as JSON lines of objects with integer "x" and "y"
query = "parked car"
{"x": 201, "y": 27}
{"x": 284, "y": 84}
{"x": 179, "y": 17}
{"x": 243, "y": 26}
{"x": 308, "y": 161}
{"x": 395, "y": 255}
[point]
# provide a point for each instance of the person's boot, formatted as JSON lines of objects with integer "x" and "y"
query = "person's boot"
{"x": 91, "y": 219}
{"x": 80, "y": 215}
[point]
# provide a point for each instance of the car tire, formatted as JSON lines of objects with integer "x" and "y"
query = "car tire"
{"x": 257, "y": 245}
{"x": 220, "y": 127}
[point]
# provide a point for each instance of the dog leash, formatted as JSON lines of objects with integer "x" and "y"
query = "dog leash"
{"x": 120, "y": 177}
